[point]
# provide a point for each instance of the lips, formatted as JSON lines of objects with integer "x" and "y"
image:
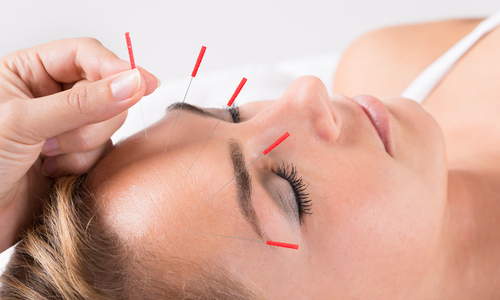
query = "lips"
{"x": 379, "y": 116}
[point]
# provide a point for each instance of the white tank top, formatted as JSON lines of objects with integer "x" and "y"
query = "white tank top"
{"x": 423, "y": 85}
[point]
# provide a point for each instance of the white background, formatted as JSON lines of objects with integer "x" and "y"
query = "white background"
{"x": 167, "y": 35}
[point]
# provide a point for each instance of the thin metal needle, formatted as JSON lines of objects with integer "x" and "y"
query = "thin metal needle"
{"x": 143, "y": 121}
{"x": 221, "y": 235}
{"x": 132, "y": 66}
{"x": 229, "y": 103}
{"x": 164, "y": 151}
{"x": 265, "y": 152}
{"x": 207, "y": 140}
{"x": 232, "y": 179}
{"x": 270, "y": 243}
{"x": 193, "y": 75}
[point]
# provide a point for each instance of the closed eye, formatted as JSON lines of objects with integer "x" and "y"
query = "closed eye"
{"x": 235, "y": 114}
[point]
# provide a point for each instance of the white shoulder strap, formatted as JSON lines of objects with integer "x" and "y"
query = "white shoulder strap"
{"x": 423, "y": 85}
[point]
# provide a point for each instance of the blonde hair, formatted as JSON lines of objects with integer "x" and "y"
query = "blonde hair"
{"x": 70, "y": 254}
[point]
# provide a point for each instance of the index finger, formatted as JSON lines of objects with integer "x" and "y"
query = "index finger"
{"x": 43, "y": 68}
{"x": 71, "y": 60}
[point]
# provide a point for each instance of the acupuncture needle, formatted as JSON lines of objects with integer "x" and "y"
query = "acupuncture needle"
{"x": 265, "y": 152}
{"x": 193, "y": 75}
{"x": 229, "y": 103}
{"x": 270, "y": 243}
{"x": 132, "y": 66}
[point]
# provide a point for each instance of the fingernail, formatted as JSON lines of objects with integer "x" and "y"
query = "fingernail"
{"x": 126, "y": 85}
{"x": 50, "y": 145}
{"x": 49, "y": 168}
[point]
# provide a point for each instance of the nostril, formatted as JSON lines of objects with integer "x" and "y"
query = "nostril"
{"x": 337, "y": 99}
{"x": 326, "y": 130}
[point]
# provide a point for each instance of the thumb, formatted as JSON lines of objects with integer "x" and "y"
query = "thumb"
{"x": 94, "y": 102}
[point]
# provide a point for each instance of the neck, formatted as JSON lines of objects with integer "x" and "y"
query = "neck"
{"x": 471, "y": 235}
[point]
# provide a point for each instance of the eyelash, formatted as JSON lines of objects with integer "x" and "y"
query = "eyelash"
{"x": 289, "y": 173}
{"x": 235, "y": 114}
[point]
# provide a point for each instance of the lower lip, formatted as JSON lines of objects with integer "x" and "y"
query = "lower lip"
{"x": 379, "y": 116}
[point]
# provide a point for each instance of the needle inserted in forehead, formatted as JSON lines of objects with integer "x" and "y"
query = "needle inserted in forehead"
{"x": 132, "y": 66}
{"x": 235, "y": 94}
{"x": 270, "y": 243}
{"x": 193, "y": 75}
{"x": 268, "y": 149}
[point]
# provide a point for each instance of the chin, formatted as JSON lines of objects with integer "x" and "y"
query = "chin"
{"x": 416, "y": 132}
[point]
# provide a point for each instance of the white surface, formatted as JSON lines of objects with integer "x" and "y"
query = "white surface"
{"x": 253, "y": 35}
{"x": 4, "y": 258}
{"x": 166, "y": 35}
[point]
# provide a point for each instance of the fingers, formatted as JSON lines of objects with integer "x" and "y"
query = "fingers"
{"x": 42, "y": 118}
{"x": 45, "y": 67}
{"x": 152, "y": 83}
{"x": 83, "y": 139}
{"x": 73, "y": 163}
{"x": 70, "y": 60}
{"x": 85, "y": 58}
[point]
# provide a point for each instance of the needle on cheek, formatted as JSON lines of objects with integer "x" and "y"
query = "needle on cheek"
{"x": 132, "y": 66}
{"x": 193, "y": 75}
{"x": 235, "y": 94}
{"x": 268, "y": 149}
{"x": 270, "y": 243}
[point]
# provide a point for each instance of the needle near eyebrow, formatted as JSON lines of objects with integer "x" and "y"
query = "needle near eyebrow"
{"x": 268, "y": 149}
{"x": 235, "y": 94}
{"x": 193, "y": 75}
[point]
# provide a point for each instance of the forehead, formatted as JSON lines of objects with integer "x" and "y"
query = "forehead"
{"x": 145, "y": 194}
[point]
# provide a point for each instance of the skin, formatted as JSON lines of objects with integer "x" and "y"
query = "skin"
{"x": 418, "y": 224}
{"x": 465, "y": 105}
{"x": 70, "y": 83}
{"x": 371, "y": 210}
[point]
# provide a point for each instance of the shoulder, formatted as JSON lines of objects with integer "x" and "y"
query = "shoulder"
{"x": 384, "y": 61}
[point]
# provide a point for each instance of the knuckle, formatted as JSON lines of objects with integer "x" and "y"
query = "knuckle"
{"x": 13, "y": 122}
{"x": 8, "y": 113}
{"x": 91, "y": 41}
{"x": 79, "y": 100}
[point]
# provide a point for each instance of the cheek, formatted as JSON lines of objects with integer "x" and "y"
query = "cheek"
{"x": 374, "y": 225}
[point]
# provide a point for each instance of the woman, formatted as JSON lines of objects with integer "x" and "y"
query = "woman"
{"x": 386, "y": 200}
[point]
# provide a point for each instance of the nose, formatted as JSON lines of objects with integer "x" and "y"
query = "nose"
{"x": 305, "y": 110}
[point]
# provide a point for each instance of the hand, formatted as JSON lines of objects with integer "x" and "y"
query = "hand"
{"x": 63, "y": 100}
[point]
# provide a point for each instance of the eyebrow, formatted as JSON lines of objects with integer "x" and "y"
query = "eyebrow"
{"x": 241, "y": 174}
{"x": 190, "y": 108}
{"x": 244, "y": 186}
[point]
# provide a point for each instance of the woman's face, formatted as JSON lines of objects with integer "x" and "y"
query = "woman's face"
{"x": 375, "y": 219}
